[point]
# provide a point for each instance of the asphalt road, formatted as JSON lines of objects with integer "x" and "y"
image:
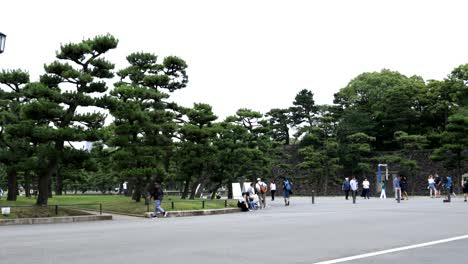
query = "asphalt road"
{"x": 301, "y": 233}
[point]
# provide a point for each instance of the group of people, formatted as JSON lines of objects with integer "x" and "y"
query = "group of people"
{"x": 400, "y": 184}
{"x": 436, "y": 185}
{"x": 255, "y": 196}
{"x": 353, "y": 187}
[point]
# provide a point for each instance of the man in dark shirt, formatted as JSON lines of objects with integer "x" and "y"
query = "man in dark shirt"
{"x": 157, "y": 194}
{"x": 346, "y": 187}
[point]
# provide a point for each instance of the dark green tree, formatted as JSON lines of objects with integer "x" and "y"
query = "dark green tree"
{"x": 144, "y": 120}
{"x": 57, "y": 104}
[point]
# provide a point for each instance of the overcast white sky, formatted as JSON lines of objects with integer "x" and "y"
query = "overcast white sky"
{"x": 254, "y": 54}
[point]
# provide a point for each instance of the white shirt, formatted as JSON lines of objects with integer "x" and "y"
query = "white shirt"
{"x": 250, "y": 190}
{"x": 365, "y": 184}
{"x": 273, "y": 186}
{"x": 354, "y": 185}
{"x": 431, "y": 181}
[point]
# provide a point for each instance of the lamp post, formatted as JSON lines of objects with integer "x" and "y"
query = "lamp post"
{"x": 2, "y": 42}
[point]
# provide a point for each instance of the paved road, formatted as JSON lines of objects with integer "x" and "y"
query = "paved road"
{"x": 301, "y": 233}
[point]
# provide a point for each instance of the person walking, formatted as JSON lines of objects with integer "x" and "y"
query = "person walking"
{"x": 383, "y": 195}
{"x": 157, "y": 194}
{"x": 465, "y": 188}
{"x": 354, "y": 187}
{"x": 261, "y": 189}
{"x": 346, "y": 187}
{"x": 404, "y": 187}
{"x": 448, "y": 186}
{"x": 431, "y": 186}
{"x": 396, "y": 187}
{"x": 365, "y": 188}
{"x": 272, "y": 189}
{"x": 286, "y": 191}
{"x": 438, "y": 185}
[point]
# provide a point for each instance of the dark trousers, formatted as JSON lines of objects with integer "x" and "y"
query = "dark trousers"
{"x": 346, "y": 192}
{"x": 365, "y": 193}
{"x": 273, "y": 195}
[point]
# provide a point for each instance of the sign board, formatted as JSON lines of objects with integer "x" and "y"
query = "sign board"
{"x": 236, "y": 190}
{"x": 246, "y": 186}
{"x": 5, "y": 210}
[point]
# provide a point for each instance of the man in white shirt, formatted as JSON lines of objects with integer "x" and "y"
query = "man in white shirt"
{"x": 272, "y": 190}
{"x": 261, "y": 189}
{"x": 354, "y": 187}
{"x": 365, "y": 188}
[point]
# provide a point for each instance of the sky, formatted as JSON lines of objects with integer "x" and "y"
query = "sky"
{"x": 252, "y": 54}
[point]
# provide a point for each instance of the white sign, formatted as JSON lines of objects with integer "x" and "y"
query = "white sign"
{"x": 5, "y": 210}
{"x": 236, "y": 190}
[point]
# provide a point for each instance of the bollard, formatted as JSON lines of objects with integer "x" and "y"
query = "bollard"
{"x": 313, "y": 197}
{"x": 203, "y": 204}
{"x": 100, "y": 208}
{"x": 172, "y": 204}
{"x": 225, "y": 203}
{"x": 56, "y": 209}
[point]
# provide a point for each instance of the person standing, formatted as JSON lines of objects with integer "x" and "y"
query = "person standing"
{"x": 465, "y": 188}
{"x": 396, "y": 187}
{"x": 383, "y": 195}
{"x": 346, "y": 187}
{"x": 286, "y": 191}
{"x": 438, "y": 185}
{"x": 354, "y": 187}
{"x": 365, "y": 188}
{"x": 272, "y": 190}
{"x": 431, "y": 186}
{"x": 157, "y": 194}
{"x": 448, "y": 186}
{"x": 404, "y": 187}
{"x": 261, "y": 189}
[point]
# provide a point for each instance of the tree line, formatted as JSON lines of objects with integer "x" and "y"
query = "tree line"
{"x": 151, "y": 138}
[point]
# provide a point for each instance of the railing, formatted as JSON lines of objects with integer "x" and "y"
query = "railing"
{"x": 55, "y": 206}
{"x": 203, "y": 203}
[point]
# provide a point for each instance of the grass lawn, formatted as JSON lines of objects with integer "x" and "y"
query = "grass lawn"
{"x": 118, "y": 204}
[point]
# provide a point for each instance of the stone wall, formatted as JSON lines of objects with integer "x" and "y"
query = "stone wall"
{"x": 304, "y": 182}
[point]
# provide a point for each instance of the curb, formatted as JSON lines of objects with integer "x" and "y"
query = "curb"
{"x": 54, "y": 220}
{"x": 197, "y": 212}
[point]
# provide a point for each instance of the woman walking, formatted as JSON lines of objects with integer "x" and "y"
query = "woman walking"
{"x": 431, "y": 186}
{"x": 383, "y": 195}
{"x": 404, "y": 188}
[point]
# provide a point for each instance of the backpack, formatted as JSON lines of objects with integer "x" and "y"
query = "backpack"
{"x": 287, "y": 185}
{"x": 263, "y": 188}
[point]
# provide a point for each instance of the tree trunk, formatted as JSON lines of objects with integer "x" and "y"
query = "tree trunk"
{"x": 192, "y": 192}
{"x": 186, "y": 189}
{"x": 213, "y": 192}
{"x": 230, "y": 190}
{"x": 137, "y": 191}
{"x": 58, "y": 183}
{"x": 50, "y": 187}
{"x": 27, "y": 183}
{"x": 44, "y": 182}
{"x": 200, "y": 190}
{"x": 129, "y": 189}
{"x": 12, "y": 184}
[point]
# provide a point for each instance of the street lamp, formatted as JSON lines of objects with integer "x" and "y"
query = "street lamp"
{"x": 2, "y": 42}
